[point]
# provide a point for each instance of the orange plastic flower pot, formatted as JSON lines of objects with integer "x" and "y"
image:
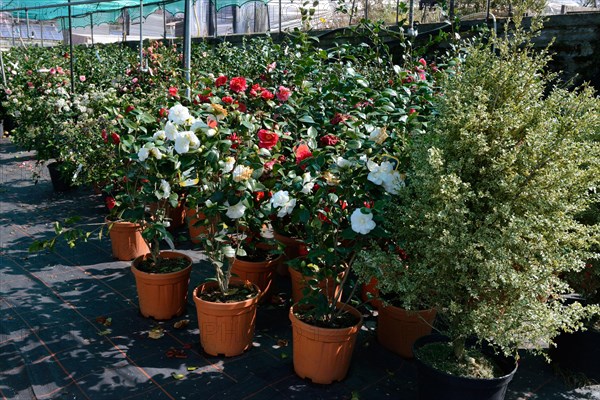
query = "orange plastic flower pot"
{"x": 398, "y": 329}
{"x": 323, "y": 354}
{"x": 126, "y": 240}
{"x": 328, "y": 286}
{"x": 260, "y": 273}
{"x": 225, "y": 328}
{"x": 291, "y": 250}
{"x": 162, "y": 296}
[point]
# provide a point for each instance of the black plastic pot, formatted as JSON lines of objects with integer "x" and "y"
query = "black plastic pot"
{"x": 434, "y": 384}
{"x": 60, "y": 183}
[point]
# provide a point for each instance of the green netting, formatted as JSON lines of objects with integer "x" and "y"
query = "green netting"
{"x": 102, "y": 13}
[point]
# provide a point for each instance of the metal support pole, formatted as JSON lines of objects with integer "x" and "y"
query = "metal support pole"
{"x": 142, "y": 35}
{"x": 397, "y": 11}
{"x": 234, "y": 15}
{"x": 279, "y": 16}
{"x": 12, "y": 31}
{"x": 27, "y": 21}
{"x": 187, "y": 45}
{"x": 366, "y": 9}
{"x": 451, "y": 12}
{"x": 2, "y": 65}
{"x": 211, "y": 24}
{"x": 487, "y": 11}
{"x": 164, "y": 8}
{"x": 71, "y": 50}
{"x": 42, "y": 32}
{"x": 124, "y": 22}
{"x": 92, "y": 27}
{"x": 215, "y": 14}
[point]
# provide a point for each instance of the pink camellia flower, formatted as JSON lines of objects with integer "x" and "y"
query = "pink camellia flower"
{"x": 173, "y": 91}
{"x": 256, "y": 90}
{"x": 283, "y": 94}
{"x": 269, "y": 165}
{"x": 271, "y": 67}
{"x": 8, "y": 91}
{"x": 302, "y": 152}
{"x": 227, "y": 99}
{"x": 422, "y": 62}
{"x": 267, "y": 139}
{"x": 134, "y": 80}
{"x": 267, "y": 95}
{"x": 238, "y": 84}
{"x": 52, "y": 71}
{"x": 30, "y": 84}
{"x": 220, "y": 81}
{"x": 329, "y": 140}
{"x": 82, "y": 78}
{"x": 60, "y": 70}
{"x": 412, "y": 111}
{"x": 29, "y": 72}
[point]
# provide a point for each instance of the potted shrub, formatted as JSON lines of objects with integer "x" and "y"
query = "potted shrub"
{"x": 489, "y": 217}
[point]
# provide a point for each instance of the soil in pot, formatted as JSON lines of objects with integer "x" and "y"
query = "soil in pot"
{"x": 434, "y": 384}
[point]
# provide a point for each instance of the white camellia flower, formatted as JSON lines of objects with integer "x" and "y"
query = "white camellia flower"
{"x": 378, "y": 135}
{"x": 154, "y": 152}
{"x": 179, "y": 114}
{"x": 143, "y": 154}
{"x": 362, "y": 223}
{"x": 280, "y": 198}
{"x": 393, "y": 182}
{"x": 159, "y": 135}
{"x": 227, "y": 165}
{"x": 164, "y": 191}
{"x": 307, "y": 183}
{"x": 236, "y": 211}
{"x": 242, "y": 173}
{"x": 341, "y": 162}
{"x": 184, "y": 141}
{"x": 211, "y": 132}
{"x": 287, "y": 208}
{"x": 170, "y": 130}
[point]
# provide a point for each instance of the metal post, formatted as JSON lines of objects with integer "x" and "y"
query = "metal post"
{"x": 366, "y": 9}
{"x": 92, "y": 27}
{"x": 215, "y": 13}
{"x": 187, "y": 45}
{"x": 124, "y": 30}
{"x": 487, "y": 11}
{"x": 71, "y": 50}
{"x": 451, "y": 12}
{"x": 279, "y": 16}
{"x": 42, "y": 31}
{"x": 234, "y": 15}
{"x": 397, "y": 11}
{"x": 142, "y": 35}
{"x": 164, "y": 8}
{"x": 211, "y": 24}
{"x": 27, "y": 21}
{"x": 2, "y": 65}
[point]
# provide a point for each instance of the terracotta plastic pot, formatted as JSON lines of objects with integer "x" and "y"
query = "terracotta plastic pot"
{"x": 329, "y": 286}
{"x": 260, "y": 273}
{"x": 126, "y": 240}
{"x": 225, "y": 328}
{"x": 370, "y": 293}
{"x": 397, "y": 329}
{"x": 162, "y": 296}
{"x": 291, "y": 250}
{"x": 195, "y": 229}
{"x": 323, "y": 354}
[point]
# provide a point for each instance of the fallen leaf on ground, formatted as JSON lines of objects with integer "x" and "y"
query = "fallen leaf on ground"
{"x": 177, "y": 376}
{"x": 282, "y": 342}
{"x": 192, "y": 368}
{"x": 156, "y": 333}
{"x": 181, "y": 324}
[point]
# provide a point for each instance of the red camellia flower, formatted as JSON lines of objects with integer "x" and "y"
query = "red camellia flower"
{"x": 235, "y": 140}
{"x": 104, "y": 136}
{"x": 221, "y": 80}
{"x": 283, "y": 94}
{"x": 422, "y": 62}
{"x": 241, "y": 106}
{"x": 163, "y": 112}
{"x": 267, "y": 95}
{"x": 267, "y": 139}
{"x": 173, "y": 91}
{"x": 115, "y": 138}
{"x": 329, "y": 140}
{"x": 129, "y": 109}
{"x": 227, "y": 99}
{"x": 238, "y": 84}
{"x": 339, "y": 118}
{"x": 302, "y": 152}
{"x": 258, "y": 196}
{"x": 255, "y": 90}
{"x": 323, "y": 216}
{"x": 302, "y": 250}
{"x": 412, "y": 111}
{"x": 110, "y": 202}
{"x": 30, "y": 84}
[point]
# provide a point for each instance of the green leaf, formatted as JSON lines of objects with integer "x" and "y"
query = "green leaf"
{"x": 307, "y": 118}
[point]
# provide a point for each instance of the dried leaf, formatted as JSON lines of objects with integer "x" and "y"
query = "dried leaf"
{"x": 192, "y": 368}
{"x": 187, "y": 346}
{"x": 108, "y": 321}
{"x": 282, "y": 342}
{"x": 101, "y": 320}
{"x": 156, "y": 333}
{"x": 181, "y": 324}
{"x": 177, "y": 376}
{"x": 105, "y": 332}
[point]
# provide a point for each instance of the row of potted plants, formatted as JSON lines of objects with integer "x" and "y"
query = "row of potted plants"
{"x": 456, "y": 191}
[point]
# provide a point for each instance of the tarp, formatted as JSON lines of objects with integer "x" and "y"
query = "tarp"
{"x": 107, "y": 12}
